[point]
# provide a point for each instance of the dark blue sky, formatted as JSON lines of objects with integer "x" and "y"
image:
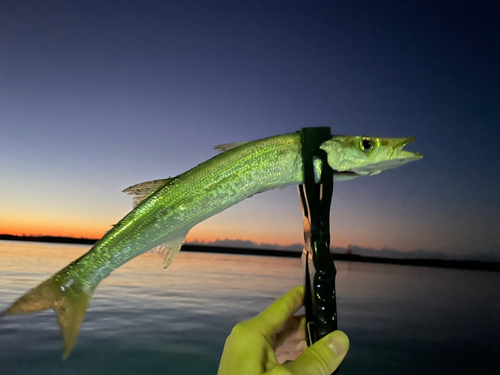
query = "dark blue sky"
{"x": 99, "y": 95}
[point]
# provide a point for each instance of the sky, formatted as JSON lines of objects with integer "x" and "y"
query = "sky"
{"x": 96, "y": 96}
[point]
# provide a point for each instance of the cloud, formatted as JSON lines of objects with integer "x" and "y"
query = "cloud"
{"x": 485, "y": 256}
{"x": 246, "y": 244}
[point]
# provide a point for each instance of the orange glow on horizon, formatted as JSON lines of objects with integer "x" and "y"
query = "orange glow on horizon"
{"x": 197, "y": 234}
{"x": 203, "y": 233}
{"x": 195, "y": 237}
{"x": 53, "y": 229}
{"x": 55, "y": 233}
{"x": 95, "y": 233}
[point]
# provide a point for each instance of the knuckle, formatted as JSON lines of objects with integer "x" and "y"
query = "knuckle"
{"x": 291, "y": 298}
{"x": 243, "y": 335}
{"x": 241, "y": 329}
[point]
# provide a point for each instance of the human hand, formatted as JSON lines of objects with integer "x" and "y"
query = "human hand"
{"x": 250, "y": 348}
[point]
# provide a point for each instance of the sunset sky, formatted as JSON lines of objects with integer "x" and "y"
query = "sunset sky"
{"x": 99, "y": 95}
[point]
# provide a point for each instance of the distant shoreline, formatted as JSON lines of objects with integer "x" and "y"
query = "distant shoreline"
{"x": 456, "y": 264}
{"x": 49, "y": 239}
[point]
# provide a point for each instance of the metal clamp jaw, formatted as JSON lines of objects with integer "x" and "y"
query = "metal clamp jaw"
{"x": 320, "y": 298}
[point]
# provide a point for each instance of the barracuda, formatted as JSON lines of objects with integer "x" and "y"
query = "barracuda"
{"x": 165, "y": 210}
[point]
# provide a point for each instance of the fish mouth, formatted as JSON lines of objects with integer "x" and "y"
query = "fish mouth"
{"x": 401, "y": 154}
{"x": 393, "y": 159}
{"x": 401, "y": 142}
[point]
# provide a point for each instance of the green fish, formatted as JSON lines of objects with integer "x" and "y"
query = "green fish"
{"x": 165, "y": 211}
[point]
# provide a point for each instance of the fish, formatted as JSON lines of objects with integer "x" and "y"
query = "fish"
{"x": 166, "y": 209}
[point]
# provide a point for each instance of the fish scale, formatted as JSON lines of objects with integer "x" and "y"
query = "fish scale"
{"x": 167, "y": 209}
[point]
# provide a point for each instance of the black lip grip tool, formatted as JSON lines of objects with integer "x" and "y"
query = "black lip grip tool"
{"x": 320, "y": 298}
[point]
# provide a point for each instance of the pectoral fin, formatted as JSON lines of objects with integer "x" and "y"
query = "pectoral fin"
{"x": 170, "y": 249}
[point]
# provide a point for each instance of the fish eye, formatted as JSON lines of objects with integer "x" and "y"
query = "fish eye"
{"x": 366, "y": 145}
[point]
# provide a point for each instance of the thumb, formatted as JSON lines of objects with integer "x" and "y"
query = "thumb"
{"x": 321, "y": 358}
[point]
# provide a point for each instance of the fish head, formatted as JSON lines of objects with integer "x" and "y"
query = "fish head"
{"x": 366, "y": 156}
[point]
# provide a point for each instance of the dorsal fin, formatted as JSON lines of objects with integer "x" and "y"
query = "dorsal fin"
{"x": 229, "y": 146}
{"x": 144, "y": 189}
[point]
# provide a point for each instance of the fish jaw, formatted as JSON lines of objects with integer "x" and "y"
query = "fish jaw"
{"x": 365, "y": 156}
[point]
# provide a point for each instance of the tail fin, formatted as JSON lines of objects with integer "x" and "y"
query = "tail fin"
{"x": 70, "y": 304}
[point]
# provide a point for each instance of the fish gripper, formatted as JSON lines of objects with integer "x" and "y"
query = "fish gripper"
{"x": 316, "y": 197}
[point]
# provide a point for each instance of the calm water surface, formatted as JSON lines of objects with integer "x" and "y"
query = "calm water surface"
{"x": 146, "y": 320}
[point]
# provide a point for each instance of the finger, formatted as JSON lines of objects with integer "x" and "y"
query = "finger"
{"x": 295, "y": 329}
{"x": 274, "y": 318}
{"x": 291, "y": 342}
{"x": 321, "y": 358}
{"x": 290, "y": 353}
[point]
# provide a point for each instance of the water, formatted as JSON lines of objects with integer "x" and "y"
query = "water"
{"x": 146, "y": 320}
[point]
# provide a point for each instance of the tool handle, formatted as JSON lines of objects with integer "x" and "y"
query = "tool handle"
{"x": 320, "y": 272}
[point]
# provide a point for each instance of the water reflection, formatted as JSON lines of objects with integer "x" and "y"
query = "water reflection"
{"x": 399, "y": 318}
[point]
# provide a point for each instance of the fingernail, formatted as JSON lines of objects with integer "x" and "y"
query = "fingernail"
{"x": 338, "y": 342}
